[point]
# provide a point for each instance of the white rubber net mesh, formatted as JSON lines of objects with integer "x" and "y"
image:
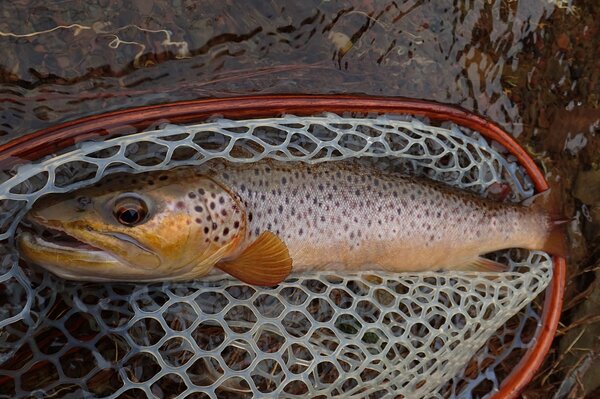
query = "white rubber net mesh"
{"x": 315, "y": 335}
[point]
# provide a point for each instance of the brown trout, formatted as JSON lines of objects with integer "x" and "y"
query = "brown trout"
{"x": 259, "y": 221}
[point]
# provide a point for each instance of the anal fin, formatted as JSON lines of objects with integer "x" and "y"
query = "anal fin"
{"x": 481, "y": 264}
{"x": 265, "y": 262}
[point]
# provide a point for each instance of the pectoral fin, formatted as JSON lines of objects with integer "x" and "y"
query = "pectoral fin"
{"x": 265, "y": 262}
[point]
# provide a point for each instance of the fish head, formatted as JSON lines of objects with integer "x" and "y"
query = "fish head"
{"x": 157, "y": 227}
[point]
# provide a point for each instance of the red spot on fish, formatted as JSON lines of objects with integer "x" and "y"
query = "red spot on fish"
{"x": 498, "y": 191}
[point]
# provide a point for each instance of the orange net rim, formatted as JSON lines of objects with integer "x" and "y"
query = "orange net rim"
{"x": 31, "y": 147}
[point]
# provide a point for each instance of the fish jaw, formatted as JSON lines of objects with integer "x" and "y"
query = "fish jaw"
{"x": 66, "y": 262}
{"x": 84, "y": 254}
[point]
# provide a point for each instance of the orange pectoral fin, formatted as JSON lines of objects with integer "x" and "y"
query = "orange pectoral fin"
{"x": 265, "y": 262}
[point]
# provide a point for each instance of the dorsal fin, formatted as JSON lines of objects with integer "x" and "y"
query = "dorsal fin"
{"x": 265, "y": 262}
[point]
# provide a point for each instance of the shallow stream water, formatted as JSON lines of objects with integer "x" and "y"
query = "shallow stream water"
{"x": 532, "y": 66}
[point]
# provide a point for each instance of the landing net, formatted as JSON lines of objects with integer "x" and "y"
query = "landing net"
{"x": 374, "y": 335}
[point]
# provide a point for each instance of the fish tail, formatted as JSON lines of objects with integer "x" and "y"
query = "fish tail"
{"x": 549, "y": 202}
{"x": 556, "y": 241}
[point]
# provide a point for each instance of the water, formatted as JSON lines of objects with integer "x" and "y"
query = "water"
{"x": 531, "y": 66}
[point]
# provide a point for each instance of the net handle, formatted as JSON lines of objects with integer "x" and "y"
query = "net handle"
{"x": 36, "y": 145}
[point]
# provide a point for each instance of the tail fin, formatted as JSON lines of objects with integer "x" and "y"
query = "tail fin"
{"x": 556, "y": 242}
{"x": 549, "y": 203}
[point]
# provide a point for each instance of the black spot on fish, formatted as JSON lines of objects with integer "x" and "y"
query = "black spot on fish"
{"x": 223, "y": 212}
{"x": 201, "y": 191}
{"x": 283, "y": 180}
{"x": 236, "y": 224}
{"x": 256, "y": 231}
{"x": 198, "y": 209}
{"x": 221, "y": 200}
{"x": 192, "y": 195}
{"x": 82, "y": 203}
{"x": 412, "y": 197}
{"x": 214, "y": 226}
{"x": 163, "y": 177}
{"x": 198, "y": 220}
{"x": 242, "y": 188}
{"x": 216, "y": 238}
{"x": 250, "y": 216}
{"x": 357, "y": 192}
{"x": 226, "y": 231}
{"x": 212, "y": 205}
{"x": 180, "y": 205}
{"x": 280, "y": 208}
{"x": 300, "y": 231}
{"x": 206, "y": 230}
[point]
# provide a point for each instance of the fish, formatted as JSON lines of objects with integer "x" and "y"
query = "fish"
{"x": 260, "y": 221}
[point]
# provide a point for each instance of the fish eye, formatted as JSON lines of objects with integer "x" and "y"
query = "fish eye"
{"x": 130, "y": 211}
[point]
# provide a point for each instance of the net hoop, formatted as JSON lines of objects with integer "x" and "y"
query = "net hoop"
{"x": 44, "y": 142}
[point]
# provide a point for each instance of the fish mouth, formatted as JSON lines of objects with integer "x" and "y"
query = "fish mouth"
{"x": 54, "y": 238}
{"x": 81, "y": 253}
